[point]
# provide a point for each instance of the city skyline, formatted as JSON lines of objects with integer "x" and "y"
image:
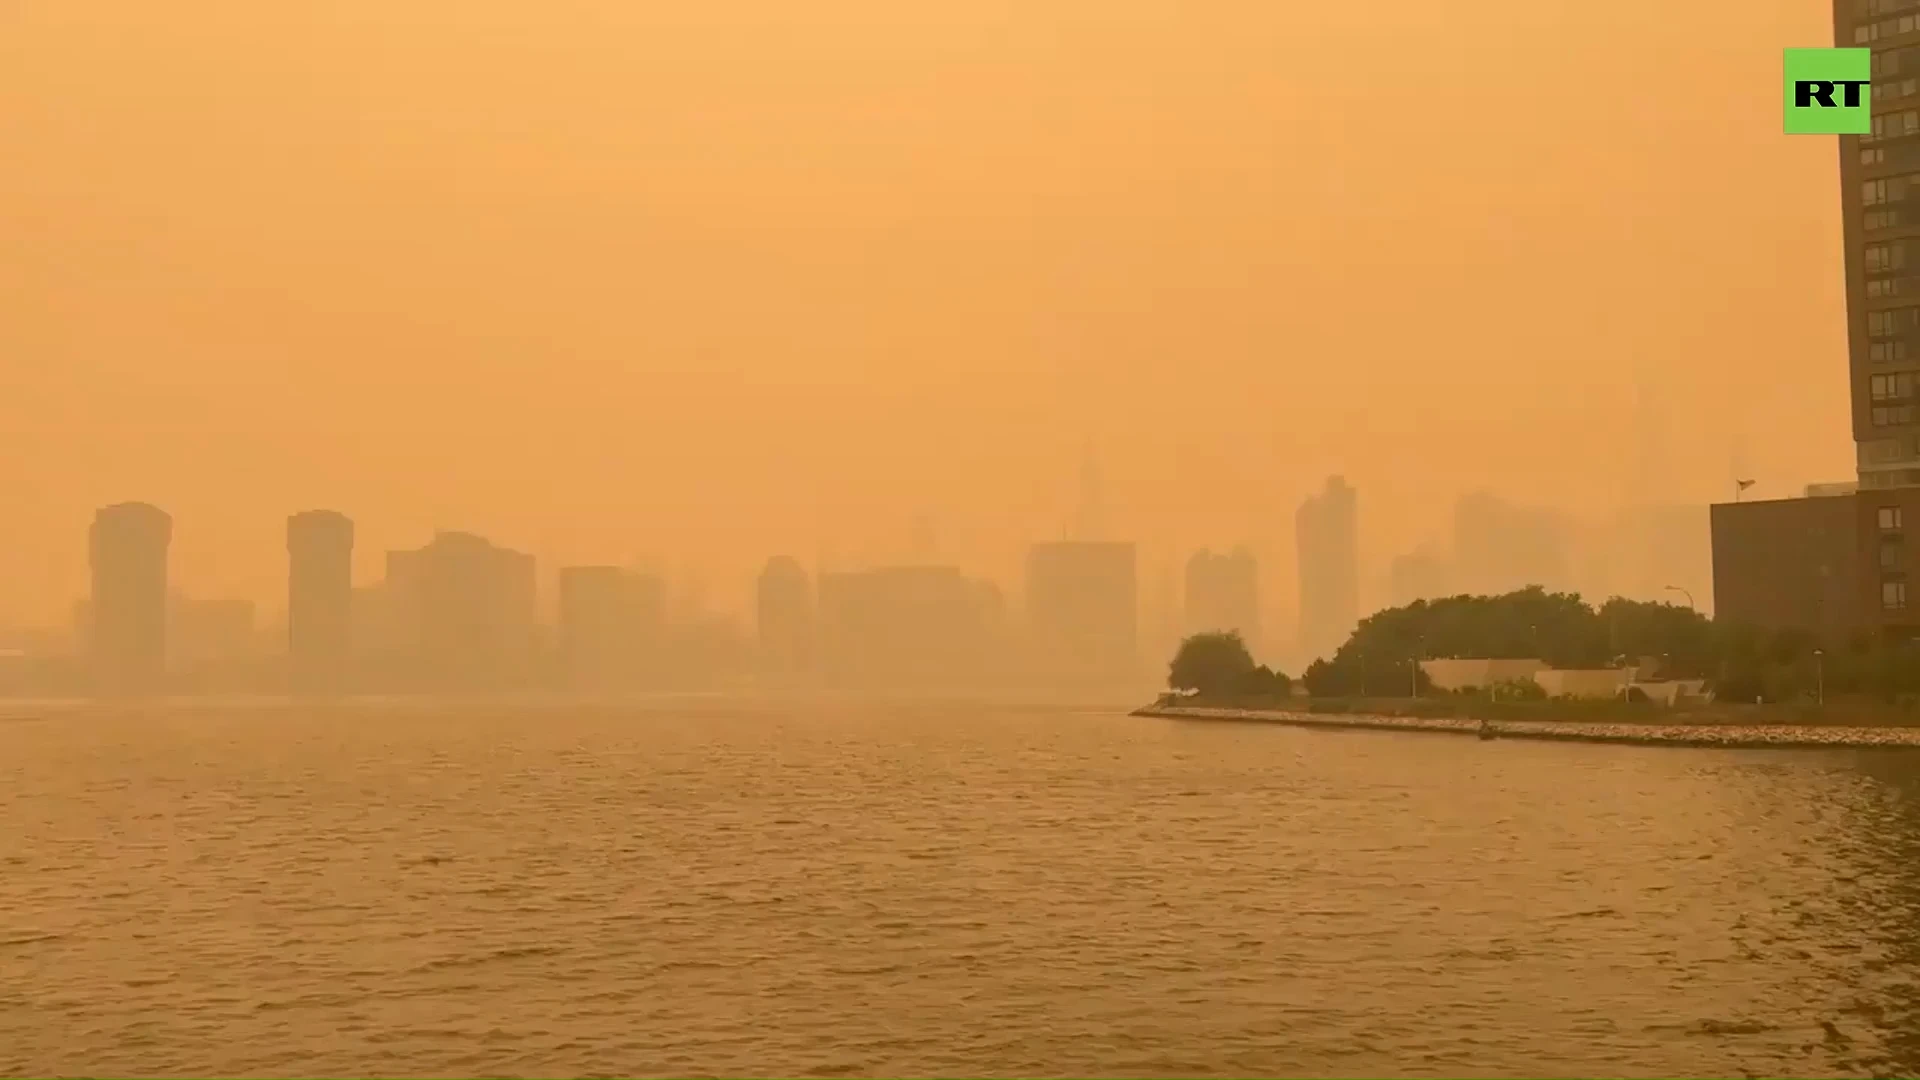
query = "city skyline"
{"x": 952, "y": 538}
{"x": 462, "y": 611}
{"x": 431, "y": 337}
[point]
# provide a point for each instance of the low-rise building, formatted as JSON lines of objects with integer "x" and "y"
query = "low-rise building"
{"x": 1456, "y": 674}
{"x": 1837, "y": 564}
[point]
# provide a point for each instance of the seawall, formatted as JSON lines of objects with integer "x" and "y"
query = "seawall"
{"x": 1726, "y": 736}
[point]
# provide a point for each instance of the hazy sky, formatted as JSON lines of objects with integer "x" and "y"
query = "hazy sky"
{"x": 704, "y": 281}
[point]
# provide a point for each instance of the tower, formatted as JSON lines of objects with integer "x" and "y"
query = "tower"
{"x": 319, "y": 599}
{"x": 127, "y": 631}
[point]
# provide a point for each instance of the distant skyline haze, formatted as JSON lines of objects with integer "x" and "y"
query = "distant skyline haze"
{"x": 602, "y": 280}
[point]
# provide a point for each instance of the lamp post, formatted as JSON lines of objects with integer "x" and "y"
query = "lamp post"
{"x": 1682, "y": 592}
{"x": 1820, "y": 677}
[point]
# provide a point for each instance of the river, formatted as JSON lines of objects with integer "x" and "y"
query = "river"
{"x": 730, "y": 887}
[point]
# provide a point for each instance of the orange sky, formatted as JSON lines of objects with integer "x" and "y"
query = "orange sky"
{"x": 700, "y": 282}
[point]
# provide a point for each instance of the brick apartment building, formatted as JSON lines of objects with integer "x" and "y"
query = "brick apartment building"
{"x": 1840, "y": 563}
{"x": 1836, "y": 564}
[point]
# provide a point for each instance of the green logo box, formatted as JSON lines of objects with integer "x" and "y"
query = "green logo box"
{"x": 1829, "y": 91}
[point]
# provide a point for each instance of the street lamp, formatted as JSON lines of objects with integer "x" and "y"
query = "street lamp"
{"x": 1682, "y": 592}
{"x": 1820, "y": 677}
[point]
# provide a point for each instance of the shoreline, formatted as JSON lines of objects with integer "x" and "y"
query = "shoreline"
{"x": 1721, "y": 736}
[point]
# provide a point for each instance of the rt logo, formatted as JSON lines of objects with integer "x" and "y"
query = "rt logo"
{"x": 1827, "y": 91}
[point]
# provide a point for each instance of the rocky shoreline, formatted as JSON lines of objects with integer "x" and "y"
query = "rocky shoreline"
{"x": 1726, "y": 736}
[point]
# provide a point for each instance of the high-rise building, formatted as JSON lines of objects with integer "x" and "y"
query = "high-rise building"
{"x": 209, "y": 636}
{"x": 319, "y": 599}
{"x": 1223, "y": 593}
{"x": 1420, "y": 574}
{"x": 903, "y": 626}
{"x": 1500, "y": 546}
{"x": 1838, "y": 562}
{"x": 783, "y": 602}
{"x": 1880, "y": 232}
{"x": 464, "y": 609}
{"x": 1082, "y": 610}
{"x": 599, "y": 626}
{"x": 1327, "y": 538}
{"x": 127, "y": 618}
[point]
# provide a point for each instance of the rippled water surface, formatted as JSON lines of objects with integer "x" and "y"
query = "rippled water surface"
{"x": 883, "y": 890}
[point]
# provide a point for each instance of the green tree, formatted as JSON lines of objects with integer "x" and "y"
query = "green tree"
{"x": 1213, "y": 664}
{"x": 1682, "y": 638}
{"x": 1263, "y": 683}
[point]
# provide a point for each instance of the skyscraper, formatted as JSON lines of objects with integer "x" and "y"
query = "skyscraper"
{"x": 1223, "y": 593}
{"x": 783, "y": 601}
{"x": 1880, "y": 208}
{"x": 1839, "y": 561}
{"x": 127, "y": 620}
{"x": 902, "y": 626}
{"x": 1420, "y": 574}
{"x": 599, "y": 626}
{"x": 1326, "y": 535}
{"x": 319, "y": 599}
{"x": 1082, "y": 610}
{"x": 1500, "y": 546}
{"x": 465, "y": 611}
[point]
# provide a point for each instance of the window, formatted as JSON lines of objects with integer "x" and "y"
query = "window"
{"x": 1881, "y": 288}
{"x": 1881, "y": 219}
{"x": 1893, "y": 322}
{"x": 1890, "y": 556}
{"x": 1867, "y": 9}
{"x": 1874, "y": 31}
{"x": 1889, "y": 189}
{"x": 1885, "y": 451}
{"x": 1874, "y": 155}
{"x": 1892, "y": 415}
{"x": 1893, "y": 91}
{"x": 1895, "y": 61}
{"x": 1893, "y": 596}
{"x": 1887, "y": 352}
{"x": 1884, "y": 257}
{"x": 1894, "y": 125}
{"x": 1895, "y": 387}
{"x": 1890, "y": 519}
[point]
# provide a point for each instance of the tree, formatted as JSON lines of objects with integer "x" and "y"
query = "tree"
{"x": 1263, "y": 682}
{"x": 1213, "y": 664}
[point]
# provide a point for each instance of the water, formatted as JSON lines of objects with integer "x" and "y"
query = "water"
{"x": 715, "y": 888}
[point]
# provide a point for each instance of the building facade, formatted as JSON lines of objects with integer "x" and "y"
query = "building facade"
{"x": 903, "y": 626}
{"x": 319, "y": 599}
{"x": 1880, "y": 215}
{"x": 1327, "y": 539}
{"x": 1839, "y": 565}
{"x": 126, "y": 622}
{"x": 600, "y": 627}
{"x": 1838, "y": 561}
{"x": 783, "y": 610}
{"x": 1083, "y": 611}
{"x": 1223, "y": 593}
{"x": 464, "y": 612}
